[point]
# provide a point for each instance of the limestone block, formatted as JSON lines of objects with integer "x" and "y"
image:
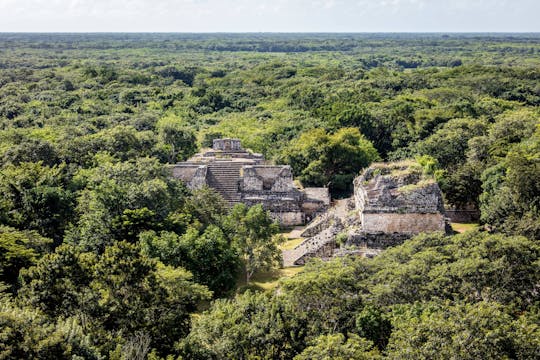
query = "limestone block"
{"x": 292, "y": 218}
{"x": 227, "y": 145}
{"x": 402, "y": 223}
{"x": 193, "y": 175}
{"x": 317, "y": 194}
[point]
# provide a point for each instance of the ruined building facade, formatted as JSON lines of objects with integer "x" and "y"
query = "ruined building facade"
{"x": 398, "y": 198}
{"x": 392, "y": 202}
{"x": 242, "y": 176}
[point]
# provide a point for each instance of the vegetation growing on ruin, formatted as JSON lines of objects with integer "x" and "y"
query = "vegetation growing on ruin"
{"x": 104, "y": 255}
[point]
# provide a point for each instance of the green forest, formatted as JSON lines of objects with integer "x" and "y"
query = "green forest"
{"x": 104, "y": 255}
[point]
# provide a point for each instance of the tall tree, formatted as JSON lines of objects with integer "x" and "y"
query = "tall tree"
{"x": 322, "y": 159}
{"x": 253, "y": 233}
{"x": 178, "y": 140}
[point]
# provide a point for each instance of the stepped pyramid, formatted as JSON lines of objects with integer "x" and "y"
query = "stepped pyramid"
{"x": 224, "y": 177}
{"x": 241, "y": 176}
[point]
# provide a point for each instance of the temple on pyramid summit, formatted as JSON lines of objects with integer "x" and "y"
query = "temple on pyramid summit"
{"x": 241, "y": 176}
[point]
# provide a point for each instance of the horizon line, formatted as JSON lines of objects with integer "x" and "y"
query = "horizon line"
{"x": 270, "y": 32}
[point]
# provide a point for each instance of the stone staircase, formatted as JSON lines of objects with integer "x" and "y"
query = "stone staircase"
{"x": 320, "y": 245}
{"x": 320, "y": 236}
{"x": 224, "y": 176}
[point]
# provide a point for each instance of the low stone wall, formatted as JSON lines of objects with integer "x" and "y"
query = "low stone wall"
{"x": 321, "y": 223}
{"x": 319, "y": 194}
{"x": 193, "y": 175}
{"x": 402, "y": 223}
{"x": 313, "y": 208}
{"x": 377, "y": 240}
{"x": 267, "y": 178}
{"x": 286, "y": 219}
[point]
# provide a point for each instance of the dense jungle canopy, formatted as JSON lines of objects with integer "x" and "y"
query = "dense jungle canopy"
{"x": 103, "y": 255}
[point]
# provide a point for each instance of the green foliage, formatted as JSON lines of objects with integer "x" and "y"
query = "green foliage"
{"x": 120, "y": 199}
{"x": 178, "y": 140}
{"x": 120, "y": 292}
{"x": 35, "y": 197}
{"x": 373, "y": 324}
{"x": 330, "y": 347}
{"x": 471, "y": 267}
{"x": 58, "y": 284}
{"x": 27, "y": 334}
{"x": 432, "y": 297}
{"x": 511, "y": 199}
{"x": 448, "y": 145}
{"x": 32, "y": 150}
{"x": 137, "y": 294}
{"x": 322, "y": 159}
{"x": 132, "y": 222}
{"x": 88, "y": 122}
{"x": 19, "y": 249}
{"x": 253, "y": 233}
{"x": 252, "y": 326}
{"x": 325, "y": 300}
{"x": 206, "y": 206}
{"x": 209, "y": 255}
{"x": 463, "y": 331}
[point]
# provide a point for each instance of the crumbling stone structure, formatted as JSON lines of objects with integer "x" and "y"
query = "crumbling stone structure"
{"x": 398, "y": 198}
{"x": 392, "y": 202}
{"x": 396, "y": 201}
{"x": 242, "y": 176}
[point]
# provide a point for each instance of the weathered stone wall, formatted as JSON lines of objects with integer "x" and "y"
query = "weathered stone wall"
{"x": 466, "y": 214}
{"x": 325, "y": 251}
{"x": 200, "y": 178}
{"x": 184, "y": 172}
{"x": 376, "y": 240}
{"x": 286, "y": 207}
{"x": 321, "y": 245}
{"x": 267, "y": 178}
{"x": 318, "y": 225}
{"x": 227, "y": 145}
{"x": 250, "y": 181}
{"x": 397, "y": 187}
{"x": 291, "y": 218}
{"x": 312, "y": 208}
{"x": 402, "y": 223}
{"x": 383, "y": 195}
{"x": 238, "y": 175}
{"x": 193, "y": 175}
{"x": 275, "y": 202}
{"x": 399, "y": 198}
{"x": 284, "y": 181}
{"x": 321, "y": 194}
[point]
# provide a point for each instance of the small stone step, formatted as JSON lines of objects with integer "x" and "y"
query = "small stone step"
{"x": 224, "y": 177}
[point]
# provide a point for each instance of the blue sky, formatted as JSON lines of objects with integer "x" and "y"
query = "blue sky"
{"x": 270, "y": 15}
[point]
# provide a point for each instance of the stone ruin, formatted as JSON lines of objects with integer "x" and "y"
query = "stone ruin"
{"x": 392, "y": 202}
{"x": 241, "y": 176}
{"x": 398, "y": 198}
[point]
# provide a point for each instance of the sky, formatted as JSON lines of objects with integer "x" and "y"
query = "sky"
{"x": 269, "y": 15}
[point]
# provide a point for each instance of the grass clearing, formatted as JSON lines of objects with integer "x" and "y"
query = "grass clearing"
{"x": 462, "y": 227}
{"x": 268, "y": 280}
{"x": 291, "y": 244}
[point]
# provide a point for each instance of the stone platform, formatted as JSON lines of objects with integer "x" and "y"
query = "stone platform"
{"x": 241, "y": 176}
